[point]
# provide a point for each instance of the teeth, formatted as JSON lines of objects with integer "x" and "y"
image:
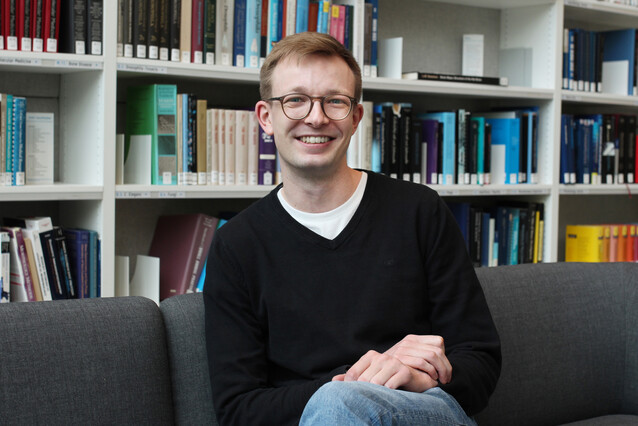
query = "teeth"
{"x": 315, "y": 139}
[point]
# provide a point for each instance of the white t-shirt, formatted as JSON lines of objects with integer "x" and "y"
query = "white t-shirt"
{"x": 329, "y": 224}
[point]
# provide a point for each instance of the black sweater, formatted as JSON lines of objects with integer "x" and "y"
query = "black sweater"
{"x": 287, "y": 309}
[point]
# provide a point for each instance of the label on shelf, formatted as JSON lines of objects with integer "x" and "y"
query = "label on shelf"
{"x": 154, "y": 69}
{"x": 133, "y": 194}
{"x": 65, "y": 63}
{"x": 171, "y": 194}
{"x": 21, "y": 61}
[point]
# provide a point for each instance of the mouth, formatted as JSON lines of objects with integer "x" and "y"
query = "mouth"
{"x": 315, "y": 140}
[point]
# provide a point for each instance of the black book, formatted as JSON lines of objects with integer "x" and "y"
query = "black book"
{"x": 94, "y": 30}
{"x": 175, "y": 25}
{"x": 73, "y": 27}
{"x": 455, "y": 78}
{"x": 164, "y": 30}
{"x": 140, "y": 28}
{"x": 153, "y": 29}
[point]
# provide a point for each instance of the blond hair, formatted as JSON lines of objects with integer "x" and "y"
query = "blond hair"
{"x": 299, "y": 46}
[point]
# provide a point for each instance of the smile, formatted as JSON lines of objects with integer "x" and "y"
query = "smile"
{"x": 314, "y": 139}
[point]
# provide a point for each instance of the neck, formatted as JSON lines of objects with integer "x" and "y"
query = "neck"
{"x": 317, "y": 194}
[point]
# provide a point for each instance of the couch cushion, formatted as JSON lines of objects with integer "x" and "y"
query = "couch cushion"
{"x": 612, "y": 420}
{"x": 192, "y": 396}
{"x": 88, "y": 361}
{"x": 563, "y": 334}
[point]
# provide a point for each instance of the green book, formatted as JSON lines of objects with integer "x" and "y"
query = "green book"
{"x": 152, "y": 110}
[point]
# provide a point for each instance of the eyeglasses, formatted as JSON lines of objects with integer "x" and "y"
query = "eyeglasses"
{"x": 297, "y": 106}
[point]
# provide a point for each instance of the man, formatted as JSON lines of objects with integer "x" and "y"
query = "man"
{"x": 341, "y": 286}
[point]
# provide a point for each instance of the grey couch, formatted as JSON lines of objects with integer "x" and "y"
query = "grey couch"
{"x": 569, "y": 335}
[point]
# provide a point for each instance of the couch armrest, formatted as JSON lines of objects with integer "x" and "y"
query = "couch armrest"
{"x": 192, "y": 396}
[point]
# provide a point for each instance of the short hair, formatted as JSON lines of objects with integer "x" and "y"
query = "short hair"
{"x": 302, "y": 45}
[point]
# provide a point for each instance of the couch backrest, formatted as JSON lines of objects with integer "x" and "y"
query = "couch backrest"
{"x": 568, "y": 335}
{"x": 192, "y": 397}
{"x": 88, "y": 361}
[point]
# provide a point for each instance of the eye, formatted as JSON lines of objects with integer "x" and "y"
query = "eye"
{"x": 295, "y": 99}
{"x": 338, "y": 101}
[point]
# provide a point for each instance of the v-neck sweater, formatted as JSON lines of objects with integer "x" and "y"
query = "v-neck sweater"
{"x": 287, "y": 309}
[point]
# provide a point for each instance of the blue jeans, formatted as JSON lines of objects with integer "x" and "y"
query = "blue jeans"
{"x": 361, "y": 403}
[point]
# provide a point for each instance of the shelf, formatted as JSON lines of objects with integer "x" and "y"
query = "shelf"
{"x": 466, "y": 90}
{"x": 59, "y": 192}
{"x": 491, "y": 190}
{"x": 599, "y": 98}
{"x": 602, "y": 13}
{"x": 142, "y": 67}
{"x": 614, "y": 189}
{"x": 181, "y": 191}
{"x": 59, "y": 63}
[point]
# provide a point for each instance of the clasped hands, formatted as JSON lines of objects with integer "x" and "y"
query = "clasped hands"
{"x": 416, "y": 364}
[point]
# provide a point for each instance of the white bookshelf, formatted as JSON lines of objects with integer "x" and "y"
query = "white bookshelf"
{"x": 87, "y": 95}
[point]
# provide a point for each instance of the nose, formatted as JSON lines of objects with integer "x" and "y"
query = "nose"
{"x": 316, "y": 117}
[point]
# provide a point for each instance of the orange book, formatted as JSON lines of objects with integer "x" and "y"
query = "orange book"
{"x": 630, "y": 256}
{"x": 622, "y": 242}
{"x": 606, "y": 240}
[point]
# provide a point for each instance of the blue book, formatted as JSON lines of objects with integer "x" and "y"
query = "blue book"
{"x": 19, "y": 140}
{"x": 480, "y": 149}
{"x": 566, "y": 130}
{"x": 583, "y": 144}
{"x": 375, "y": 158}
{"x": 619, "y": 48}
{"x": 202, "y": 278}
{"x": 239, "y": 34}
{"x": 8, "y": 119}
{"x": 485, "y": 239}
{"x": 506, "y": 137}
{"x": 78, "y": 252}
{"x": 448, "y": 166}
{"x": 94, "y": 264}
{"x": 301, "y": 24}
{"x": 373, "y": 47}
{"x": 323, "y": 17}
{"x": 461, "y": 212}
{"x": 275, "y": 23}
{"x": 514, "y": 229}
{"x": 253, "y": 33}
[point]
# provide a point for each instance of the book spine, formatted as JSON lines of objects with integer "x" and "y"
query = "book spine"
{"x": 186, "y": 29}
{"x": 94, "y": 30}
{"x": 24, "y": 25}
{"x": 40, "y": 262}
{"x": 253, "y": 33}
{"x": 239, "y": 33}
{"x": 212, "y": 129}
{"x": 49, "y": 249}
{"x": 153, "y": 36}
{"x": 209, "y": 31}
{"x": 301, "y": 17}
{"x": 201, "y": 142}
{"x": 241, "y": 147}
{"x": 19, "y": 141}
{"x": 63, "y": 257}
{"x": 197, "y": 32}
{"x": 205, "y": 234}
{"x": 274, "y": 23}
{"x": 253, "y": 149}
{"x": 140, "y": 29}
{"x": 11, "y": 24}
{"x": 164, "y": 29}
{"x": 129, "y": 22}
{"x": 229, "y": 149}
{"x": 8, "y": 119}
{"x": 24, "y": 263}
{"x": 267, "y": 158}
{"x": 175, "y": 30}
{"x": 224, "y": 32}
{"x": 165, "y": 151}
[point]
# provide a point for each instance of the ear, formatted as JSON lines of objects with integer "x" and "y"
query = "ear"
{"x": 262, "y": 109}
{"x": 357, "y": 115}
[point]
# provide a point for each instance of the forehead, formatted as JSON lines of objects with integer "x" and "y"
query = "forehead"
{"x": 313, "y": 75}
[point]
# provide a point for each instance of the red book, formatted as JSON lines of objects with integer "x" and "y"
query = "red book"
{"x": 313, "y": 12}
{"x": 182, "y": 242}
{"x": 51, "y": 27}
{"x": 20, "y": 271}
{"x": 197, "y": 32}
{"x": 10, "y": 24}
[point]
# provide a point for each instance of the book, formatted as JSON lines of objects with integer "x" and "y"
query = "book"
{"x": 39, "y": 148}
{"x": 619, "y": 61}
{"x": 454, "y": 78}
{"x": 78, "y": 246}
{"x": 201, "y": 107}
{"x": 210, "y": 15}
{"x": 253, "y": 149}
{"x": 140, "y": 28}
{"x": 181, "y": 242}
{"x": 152, "y": 110}
{"x": 241, "y": 147}
{"x": 212, "y": 161}
{"x": 224, "y": 25}
{"x": 175, "y": 20}
{"x": 239, "y": 34}
{"x": 10, "y": 24}
{"x": 18, "y": 135}
{"x": 23, "y": 21}
{"x": 253, "y": 33}
{"x": 584, "y": 243}
{"x": 267, "y": 158}
{"x": 5, "y": 267}
{"x": 21, "y": 282}
{"x": 32, "y": 238}
{"x": 63, "y": 259}
{"x": 197, "y": 32}
{"x": 186, "y": 30}
{"x": 164, "y": 29}
{"x": 448, "y": 151}
{"x": 73, "y": 16}
{"x": 36, "y": 26}
{"x": 229, "y": 146}
{"x": 154, "y": 29}
{"x": 127, "y": 29}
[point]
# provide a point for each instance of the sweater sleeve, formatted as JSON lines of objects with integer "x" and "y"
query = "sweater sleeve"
{"x": 459, "y": 313}
{"x": 236, "y": 346}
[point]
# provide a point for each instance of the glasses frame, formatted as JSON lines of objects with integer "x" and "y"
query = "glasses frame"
{"x": 353, "y": 102}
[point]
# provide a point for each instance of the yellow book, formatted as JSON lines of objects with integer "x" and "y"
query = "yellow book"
{"x": 584, "y": 243}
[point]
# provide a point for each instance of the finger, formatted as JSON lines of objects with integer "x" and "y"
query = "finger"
{"x": 355, "y": 371}
{"x": 339, "y": 378}
{"x": 419, "y": 364}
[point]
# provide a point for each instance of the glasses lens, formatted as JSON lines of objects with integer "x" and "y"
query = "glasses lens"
{"x": 296, "y": 106}
{"x": 337, "y": 107}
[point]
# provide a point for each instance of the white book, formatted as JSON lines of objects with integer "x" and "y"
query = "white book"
{"x": 185, "y": 30}
{"x": 39, "y": 148}
{"x": 122, "y": 276}
{"x": 5, "y": 267}
{"x": 229, "y": 148}
{"x": 137, "y": 164}
{"x": 224, "y": 32}
{"x": 291, "y": 17}
{"x": 366, "y": 130}
{"x": 221, "y": 146}
{"x": 146, "y": 281}
{"x": 253, "y": 148}
{"x": 241, "y": 147}
{"x": 212, "y": 168}
{"x": 40, "y": 262}
{"x": 17, "y": 290}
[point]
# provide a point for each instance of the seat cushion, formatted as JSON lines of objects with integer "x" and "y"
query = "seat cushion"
{"x": 87, "y": 361}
